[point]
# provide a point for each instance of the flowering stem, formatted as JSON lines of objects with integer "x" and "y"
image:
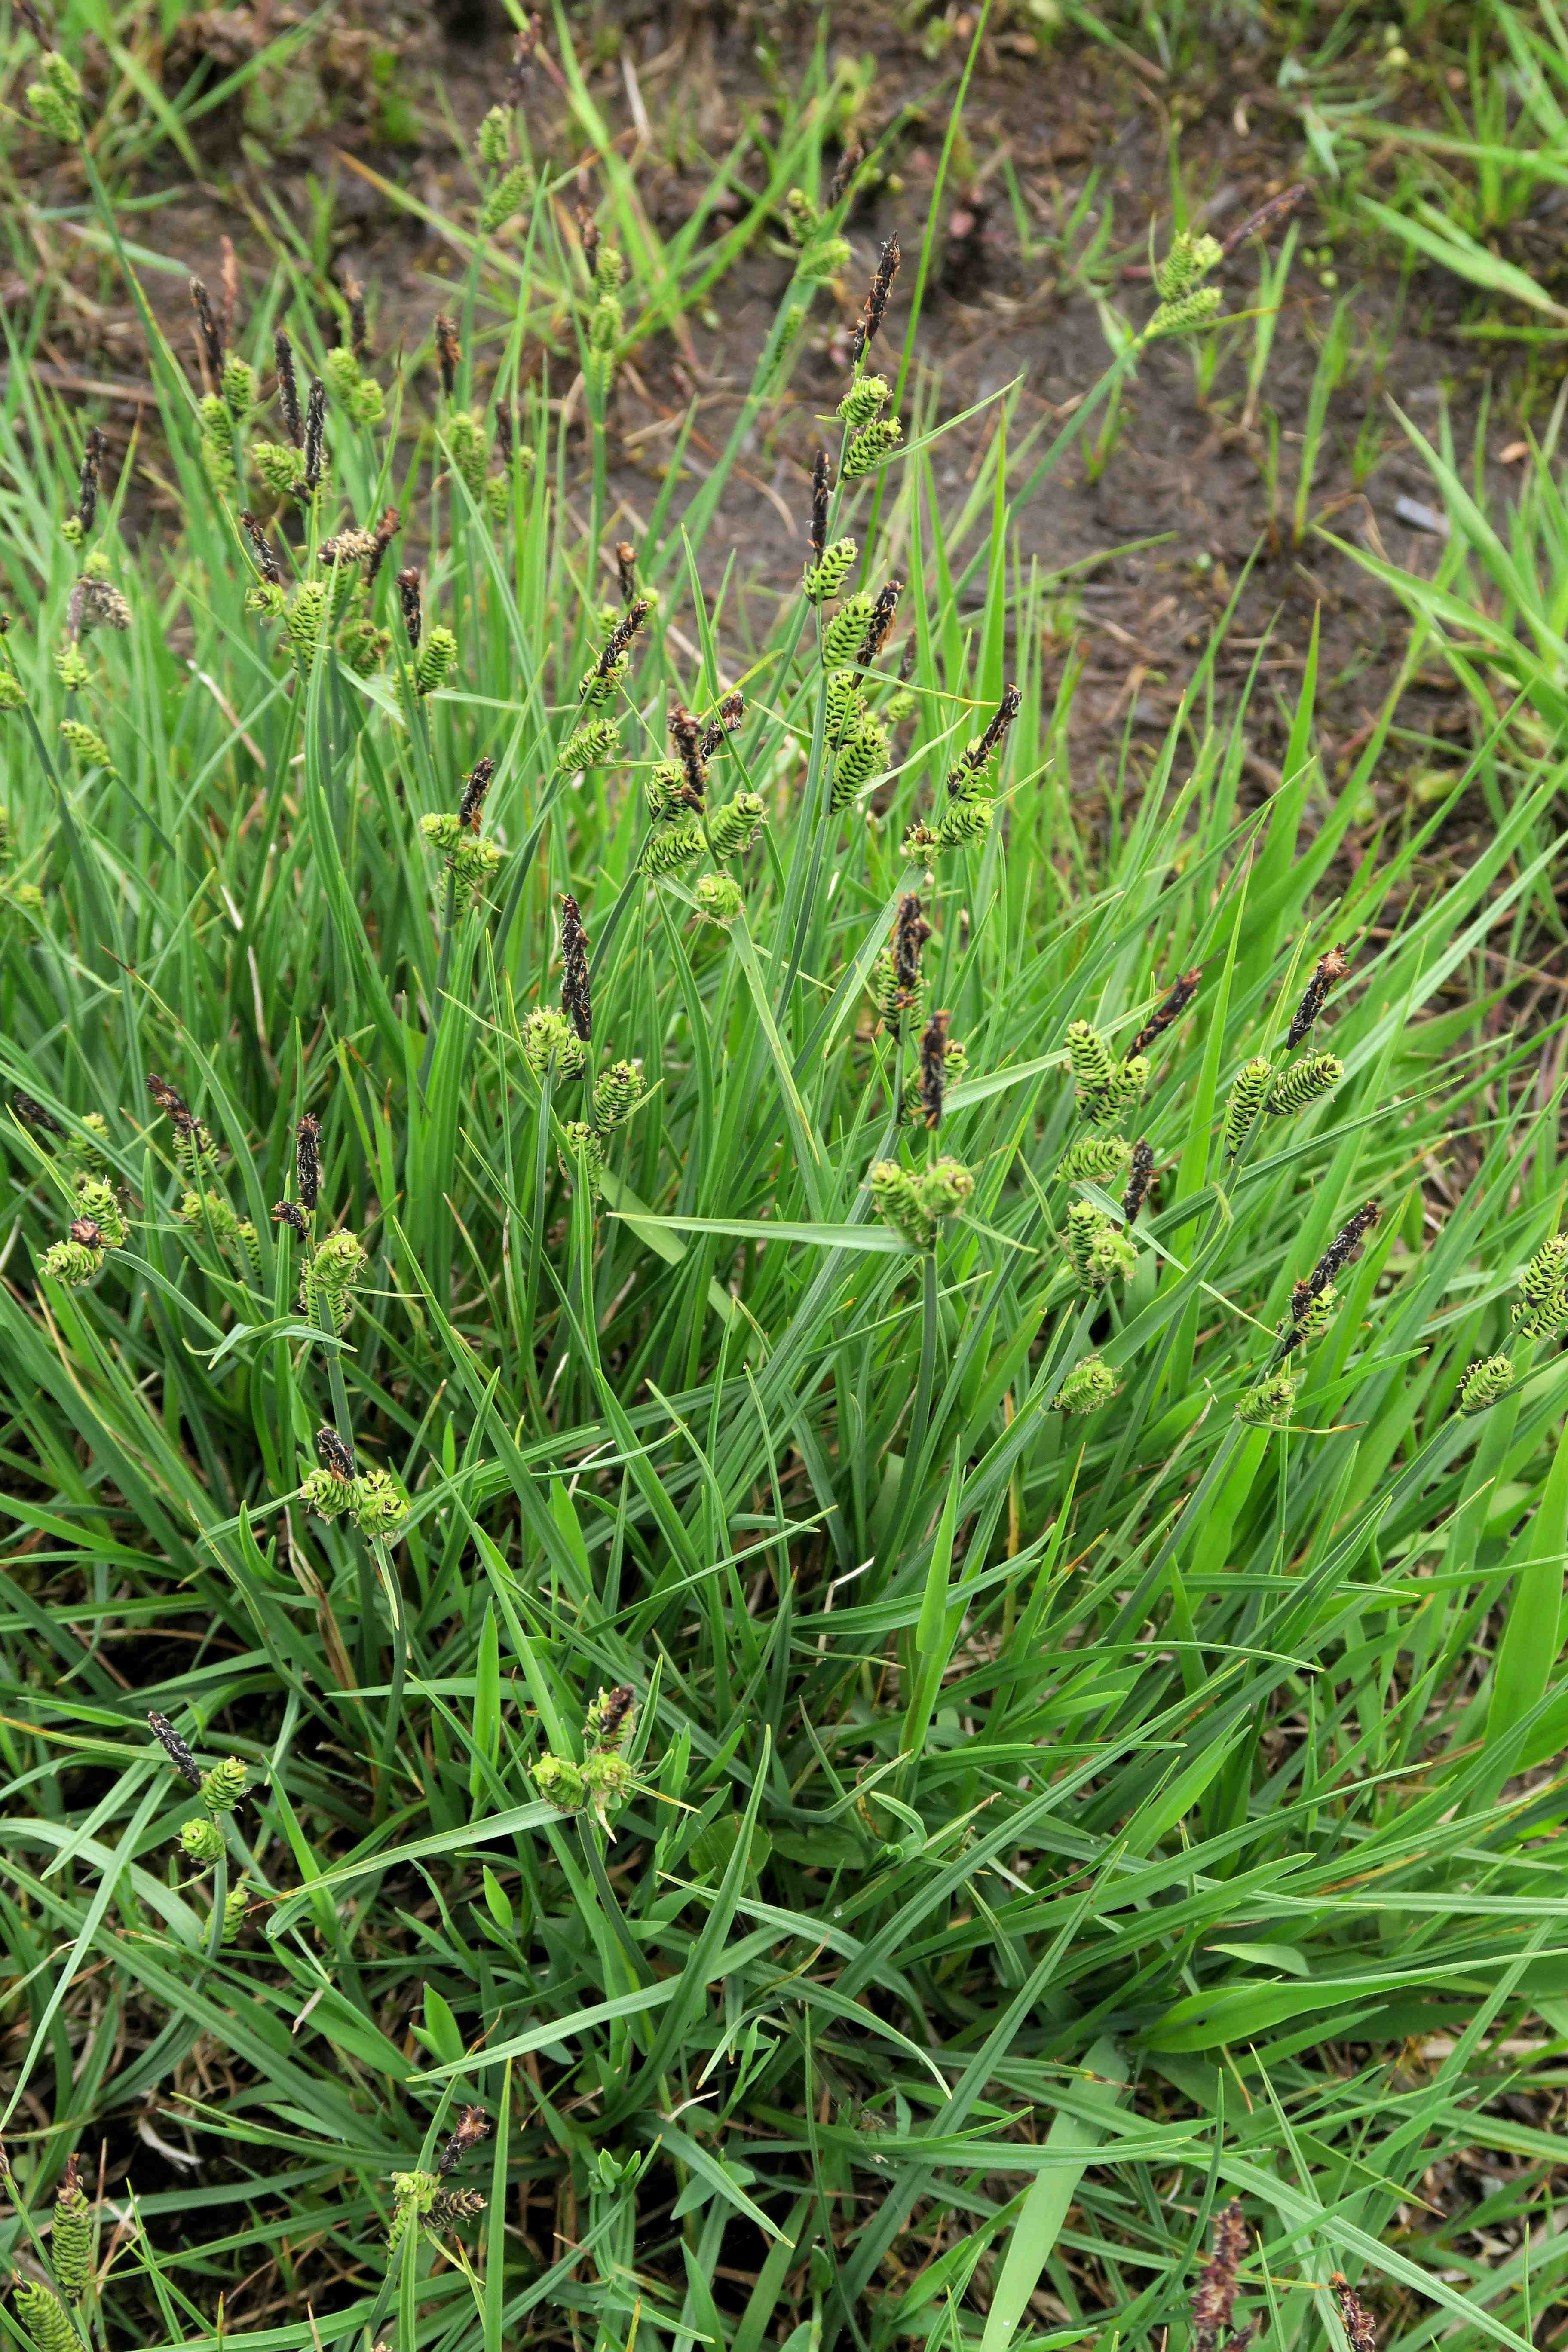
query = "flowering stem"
{"x": 919, "y": 1414}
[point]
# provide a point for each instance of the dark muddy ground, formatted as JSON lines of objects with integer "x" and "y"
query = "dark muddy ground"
{"x": 394, "y": 91}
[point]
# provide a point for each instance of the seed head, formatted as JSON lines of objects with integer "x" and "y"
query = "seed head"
{"x": 315, "y": 434}
{"x": 1170, "y": 1007}
{"x": 626, "y": 570}
{"x": 576, "y": 999}
{"x": 448, "y": 354}
{"x": 290, "y": 1214}
{"x": 875, "y": 306}
{"x": 175, "y": 1750}
{"x": 336, "y": 1455}
{"x": 307, "y": 1160}
{"x": 261, "y": 547}
{"x": 209, "y": 332}
{"x": 471, "y": 808}
{"x": 818, "y": 505}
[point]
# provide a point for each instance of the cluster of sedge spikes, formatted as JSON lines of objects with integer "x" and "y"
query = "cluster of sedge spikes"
{"x": 1284, "y": 1089}
{"x": 558, "y": 1043}
{"x": 600, "y": 1783}
{"x": 338, "y": 1487}
{"x": 685, "y": 827}
{"x": 201, "y": 1838}
{"x": 423, "y": 2201}
{"x": 1270, "y": 1402}
{"x": 470, "y": 860}
{"x": 969, "y": 809}
{"x": 1097, "y": 1245}
{"x": 1540, "y": 1312}
{"x": 45, "y": 2316}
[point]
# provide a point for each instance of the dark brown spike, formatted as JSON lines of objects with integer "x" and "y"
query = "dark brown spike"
{"x": 910, "y": 932}
{"x": 448, "y": 354}
{"x": 413, "y": 616}
{"x": 175, "y": 1749}
{"x": 91, "y": 460}
{"x": 1330, "y": 968}
{"x": 261, "y": 547}
{"x": 726, "y": 721}
{"x": 1140, "y": 1176}
{"x": 874, "y": 308}
{"x": 686, "y": 735}
{"x": 818, "y": 505}
{"x": 1345, "y": 1245}
{"x": 933, "y": 1067}
{"x": 337, "y": 1455}
{"x": 290, "y": 1214}
{"x": 471, "y": 808}
{"x": 307, "y": 1160}
{"x": 288, "y": 386}
{"x": 1359, "y": 2327}
{"x": 506, "y": 440}
{"x": 386, "y": 530}
{"x": 87, "y": 1232}
{"x": 209, "y": 335}
{"x": 31, "y": 1113}
{"x": 576, "y": 998}
{"x": 883, "y": 614}
{"x": 1266, "y": 218}
{"x": 1170, "y": 1007}
{"x": 169, "y": 1100}
{"x": 850, "y": 162}
{"x": 315, "y": 434}
{"x": 472, "y": 2127}
{"x": 359, "y": 326}
{"x": 1214, "y": 2299}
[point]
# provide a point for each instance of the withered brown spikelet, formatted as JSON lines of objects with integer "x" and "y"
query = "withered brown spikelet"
{"x": 1359, "y": 2326}
{"x": 1140, "y": 1176}
{"x": 588, "y": 230}
{"x": 307, "y": 1160}
{"x": 359, "y": 330}
{"x": 290, "y": 1214}
{"x": 686, "y": 735}
{"x": 910, "y": 932}
{"x": 1330, "y": 968}
{"x": 1214, "y": 2297}
{"x": 506, "y": 431}
{"x": 261, "y": 547}
{"x": 1345, "y": 1245}
{"x": 288, "y": 386}
{"x": 91, "y": 460}
{"x": 875, "y": 306}
{"x": 883, "y": 614}
{"x": 175, "y": 1750}
{"x": 448, "y": 354}
{"x": 933, "y": 1066}
{"x": 471, "y": 808}
{"x": 413, "y": 615}
{"x": 626, "y": 570}
{"x": 472, "y": 2126}
{"x": 1170, "y": 1007}
{"x": 576, "y": 999}
{"x": 335, "y": 1452}
{"x": 850, "y": 162}
{"x": 209, "y": 333}
{"x": 315, "y": 434}
{"x": 31, "y": 1113}
{"x": 386, "y": 530}
{"x": 726, "y": 721}
{"x": 168, "y": 1099}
